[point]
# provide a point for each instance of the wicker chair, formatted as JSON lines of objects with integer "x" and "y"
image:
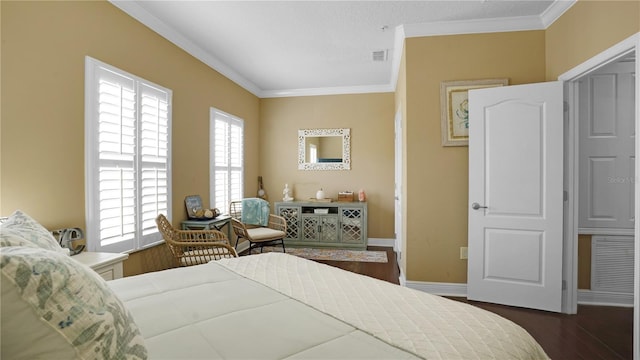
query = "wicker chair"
{"x": 258, "y": 236}
{"x": 193, "y": 247}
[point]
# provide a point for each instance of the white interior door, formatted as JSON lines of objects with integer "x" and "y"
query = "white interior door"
{"x": 516, "y": 195}
{"x": 398, "y": 184}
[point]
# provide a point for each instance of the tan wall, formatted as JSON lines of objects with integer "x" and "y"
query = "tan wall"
{"x": 437, "y": 176}
{"x": 370, "y": 118}
{"x": 585, "y": 30}
{"x": 44, "y": 45}
{"x": 584, "y": 262}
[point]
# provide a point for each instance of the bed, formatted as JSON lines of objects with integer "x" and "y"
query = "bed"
{"x": 266, "y": 306}
{"x": 278, "y": 306}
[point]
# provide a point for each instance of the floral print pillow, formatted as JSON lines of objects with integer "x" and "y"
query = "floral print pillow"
{"x": 69, "y": 301}
{"x": 20, "y": 229}
{"x": 11, "y": 238}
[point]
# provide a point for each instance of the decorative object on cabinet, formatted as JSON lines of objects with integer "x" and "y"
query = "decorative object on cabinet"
{"x": 320, "y": 194}
{"x": 194, "y": 247}
{"x": 324, "y": 149}
{"x": 362, "y": 196}
{"x": 325, "y": 200}
{"x": 334, "y": 224}
{"x": 286, "y": 194}
{"x": 454, "y": 108}
{"x": 345, "y": 196}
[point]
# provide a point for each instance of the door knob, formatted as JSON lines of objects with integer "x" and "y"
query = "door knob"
{"x": 476, "y": 206}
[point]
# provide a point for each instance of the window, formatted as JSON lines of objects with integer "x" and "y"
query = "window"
{"x": 313, "y": 153}
{"x": 127, "y": 158}
{"x": 227, "y": 161}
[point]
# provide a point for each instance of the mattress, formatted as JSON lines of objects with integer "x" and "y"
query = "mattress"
{"x": 278, "y": 306}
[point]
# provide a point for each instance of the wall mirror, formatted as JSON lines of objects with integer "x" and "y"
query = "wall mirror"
{"x": 324, "y": 149}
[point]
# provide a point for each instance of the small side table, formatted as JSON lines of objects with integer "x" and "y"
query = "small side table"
{"x": 107, "y": 265}
{"x": 216, "y": 223}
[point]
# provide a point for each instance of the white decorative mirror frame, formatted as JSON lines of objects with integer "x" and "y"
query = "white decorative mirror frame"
{"x": 343, "y": 163}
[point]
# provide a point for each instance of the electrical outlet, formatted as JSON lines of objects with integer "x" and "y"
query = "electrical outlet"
{"x": 464, "y": 252}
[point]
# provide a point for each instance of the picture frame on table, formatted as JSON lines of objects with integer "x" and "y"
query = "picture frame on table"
{"x": 192, "y": 204}
{"x": 454, "y": 108}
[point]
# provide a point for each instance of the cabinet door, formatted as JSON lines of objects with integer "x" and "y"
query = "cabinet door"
{"x": 292, "y": 216}
{"x": 322, "y": 228}
{"x": 310, "y": 227}
{"x": 329, "y": 228}
{"x": 351, "y": 225}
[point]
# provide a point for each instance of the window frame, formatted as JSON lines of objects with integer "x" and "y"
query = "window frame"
{"x": 142, "y": 237}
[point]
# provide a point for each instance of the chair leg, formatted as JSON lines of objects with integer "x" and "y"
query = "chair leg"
{"x": 283, "y": 249}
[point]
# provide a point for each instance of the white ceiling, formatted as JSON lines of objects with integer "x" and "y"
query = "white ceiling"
{"x": 291, "y": 48}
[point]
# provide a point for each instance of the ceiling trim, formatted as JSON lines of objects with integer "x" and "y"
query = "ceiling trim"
{"x": 398, "y": 49}
{"x": 556, "y": 10}
{"x": 340, "y": 90}
{"x": 479, "y": 26}
{"x": 402, "y": 32}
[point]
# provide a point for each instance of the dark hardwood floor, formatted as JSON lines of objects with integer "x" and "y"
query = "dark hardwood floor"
{"x": 596, "y": 332}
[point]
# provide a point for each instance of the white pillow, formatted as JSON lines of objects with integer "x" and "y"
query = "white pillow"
{"x": 20, "y": 228}
{"x": 53, "y": 307}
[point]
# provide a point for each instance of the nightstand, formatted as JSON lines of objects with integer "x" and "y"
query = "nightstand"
{"x": 107, "y": 265}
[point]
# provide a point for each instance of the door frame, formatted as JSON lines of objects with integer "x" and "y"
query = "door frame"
{"x": 398, "y": 176}
{"x": 570, "y": 247}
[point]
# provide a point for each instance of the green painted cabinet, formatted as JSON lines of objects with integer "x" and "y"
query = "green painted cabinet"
{"x": 323, "y": 224}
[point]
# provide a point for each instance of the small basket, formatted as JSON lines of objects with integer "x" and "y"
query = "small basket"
{"x": 345, "y": 196}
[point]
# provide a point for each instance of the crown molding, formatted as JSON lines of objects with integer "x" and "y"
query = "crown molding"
{"x": 396, "y": 57}
{"x": 479, "y": 26}
{"x": 554, "y": 11}
{"x": 339, "y": 90}
{"x": 143, "y": 16}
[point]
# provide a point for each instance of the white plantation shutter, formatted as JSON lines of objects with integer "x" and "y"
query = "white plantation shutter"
{"x": 154, "y": 159}
{"x": 127, "y": 160}
{"x": 227, "y": 159}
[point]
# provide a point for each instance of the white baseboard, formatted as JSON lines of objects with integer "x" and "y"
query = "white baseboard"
{"x": 444, "y": 289}
{"x": 603, "y": 298}
{"x": 381, "y": 242}
{"x": 402, "y": 279}
{"x": 371, "y": 241}
{"x": 585, "y": 297}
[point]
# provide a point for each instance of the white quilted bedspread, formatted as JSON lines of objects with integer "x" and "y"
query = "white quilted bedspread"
{"x": 429, "y": 326}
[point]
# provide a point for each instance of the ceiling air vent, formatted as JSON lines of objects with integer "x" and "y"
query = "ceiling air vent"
{"x": 380, "y": 55}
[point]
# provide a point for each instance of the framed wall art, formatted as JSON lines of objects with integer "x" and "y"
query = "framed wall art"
{"x": 454, "y": 108}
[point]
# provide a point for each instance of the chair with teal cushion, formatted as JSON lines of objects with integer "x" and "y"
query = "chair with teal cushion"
{"x": 260, "y": 228}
